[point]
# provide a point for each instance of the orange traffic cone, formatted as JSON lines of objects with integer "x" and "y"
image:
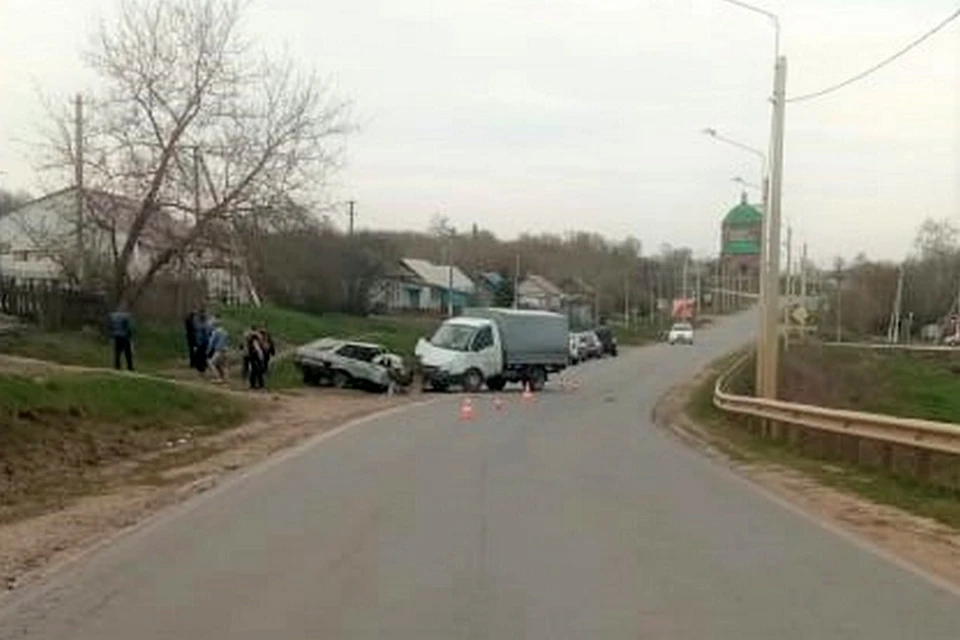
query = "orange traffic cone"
{"x": 527, "y": 394}
{"x": 466, "y": 410}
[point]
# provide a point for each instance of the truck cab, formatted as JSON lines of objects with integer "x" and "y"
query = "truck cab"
{"x": 462, "y": 352}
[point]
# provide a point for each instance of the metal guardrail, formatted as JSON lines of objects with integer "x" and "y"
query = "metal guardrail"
{"x": 885, "y": 346}
{"x": 942, "y": 437}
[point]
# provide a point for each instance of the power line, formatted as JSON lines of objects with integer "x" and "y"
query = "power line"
{"x": 879, "y": 65}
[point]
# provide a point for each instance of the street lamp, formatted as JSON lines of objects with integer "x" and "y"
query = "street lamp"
{"x": 771, "y": 16}
{"x": 768, "y": 336}
{"x": 744, "y": 147}
{"x": 745, "y": 184}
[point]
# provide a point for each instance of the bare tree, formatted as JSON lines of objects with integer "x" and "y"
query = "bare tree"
{"x": 196, "y": 129}
{"x": 9, "y": 200}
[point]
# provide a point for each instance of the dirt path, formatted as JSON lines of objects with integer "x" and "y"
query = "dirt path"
{"x": 925, "y": 543}
{"x": 134, "y": 489}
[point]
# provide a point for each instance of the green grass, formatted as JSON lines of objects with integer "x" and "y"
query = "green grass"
{"x": 155, "y": 346}
{"x": 138, "y": 403}
{"x": 289, "y": 327}
{"x": 59, "y": 432}
{"x": 730, "y": 434}
{"x": 907, "y": 384}
{"x": 159, "y": 347}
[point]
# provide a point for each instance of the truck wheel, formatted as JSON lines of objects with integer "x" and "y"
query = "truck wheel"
{"x": 537, "y": 379}
{"x": 472, "y": 381}
{"x": 341, "y": 379}
{"x": 309, "y": 378}
{"x": 496, "y": 383}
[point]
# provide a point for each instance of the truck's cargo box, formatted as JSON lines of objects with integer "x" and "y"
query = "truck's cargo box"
{"x": 529, "y": 337}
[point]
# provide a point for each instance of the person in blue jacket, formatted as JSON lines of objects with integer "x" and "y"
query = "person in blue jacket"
{"x": 217, "y": 350}
{"x": 121, "y": 330}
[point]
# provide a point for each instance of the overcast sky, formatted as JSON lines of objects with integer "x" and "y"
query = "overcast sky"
{"x": 554, "y": 115}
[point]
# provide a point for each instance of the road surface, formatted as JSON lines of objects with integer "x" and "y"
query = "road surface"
{"x": 568, "y": 517}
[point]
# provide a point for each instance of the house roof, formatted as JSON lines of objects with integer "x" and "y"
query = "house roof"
{"x": 491, "y": 278}
{"x": 743, "y": 214}
{"x": 105, "y": 208}
{"x": 535, "y": 284}
{"x": 438, "y": 275}
{"x": 577, "y": 286}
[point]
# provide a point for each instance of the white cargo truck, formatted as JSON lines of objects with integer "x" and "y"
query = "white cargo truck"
{"x": 493, "y": 347}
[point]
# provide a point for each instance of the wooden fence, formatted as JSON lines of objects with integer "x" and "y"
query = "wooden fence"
{"x": 55, "y": 306}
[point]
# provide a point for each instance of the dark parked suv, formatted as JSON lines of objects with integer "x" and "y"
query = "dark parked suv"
{"x": 607, "y": 340}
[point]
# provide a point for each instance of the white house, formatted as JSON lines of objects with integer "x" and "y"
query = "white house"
{"x": 40, "y": 241}
{"x": 536, "y": 292}
{"x": 422, "y": 286}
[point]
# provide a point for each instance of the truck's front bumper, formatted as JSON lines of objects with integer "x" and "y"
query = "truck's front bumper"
{"x": 434, "y": 376}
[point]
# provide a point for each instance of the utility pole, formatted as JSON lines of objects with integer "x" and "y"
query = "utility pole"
{"x": 840, "y": 310}
{"x": 78, "y": 173}
{"x": 626, "y": 301}
{"x": 351, "y": 213}
{"x": 196, "y": 183}
{"x": 450, "y": 235}
{"x": 684, "y": 276}
{"x": 893, "y": 331}
{"x": 803, "y": 274}
{"x": 763, "y": 284}
{"x": 698, "y": 292}
{"x": 772, "y": 303}
{"x": 516, "y": 284}
{"x": 788, "y": 283}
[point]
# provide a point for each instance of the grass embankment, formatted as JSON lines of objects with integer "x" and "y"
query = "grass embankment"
{"x": 161, "y": 348}
{"x": 732, "y": 436}
{"x": 905, "y": 383}
{"x": 58, "y": 433}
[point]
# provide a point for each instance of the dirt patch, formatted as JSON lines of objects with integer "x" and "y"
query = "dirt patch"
{"x": 923, "y": 542}
{"x": 132, "y": 490}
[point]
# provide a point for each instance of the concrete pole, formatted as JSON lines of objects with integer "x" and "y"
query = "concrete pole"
{"x": 516, "y": 284}
{"x": 772, "y": 303}
{"x": 626, "y": 301}
{"x": 698, "y": 293}
{"x": 762, "y": 286}
{"x": 803, "y": 274}
{"x": 789, "y": 290}
{"x": 78, "y": 177}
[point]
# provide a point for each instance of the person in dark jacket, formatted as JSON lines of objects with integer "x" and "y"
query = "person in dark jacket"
{"x": 121, "y": 329}
{"x": 268, "y": 348}
{"x": 190, "y": 330}
{"x": 255, "y": 357}
{"x": 201, "y": 333}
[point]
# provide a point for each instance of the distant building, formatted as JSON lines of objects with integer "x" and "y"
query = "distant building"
{"x": 488, "y": 285}
{"x": 579, "y": 302}
{"x": 39, "y": 243}
{"x": 420, "y": 286}
{"x": 536, "y": 292}
{"x": 740, "y": 246}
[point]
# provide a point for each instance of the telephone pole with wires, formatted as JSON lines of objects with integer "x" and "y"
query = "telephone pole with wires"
{"x": 351, "y": 213}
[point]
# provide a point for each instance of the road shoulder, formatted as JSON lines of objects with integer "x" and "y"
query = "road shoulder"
{"x": 930, "y": 547}
{"x": 34, "y": 548}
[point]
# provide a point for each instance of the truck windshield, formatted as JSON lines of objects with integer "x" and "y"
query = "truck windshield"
{"x": 455, "y": 337}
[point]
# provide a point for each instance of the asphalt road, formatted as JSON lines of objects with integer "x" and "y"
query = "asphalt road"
{"x": 567, "y": 517}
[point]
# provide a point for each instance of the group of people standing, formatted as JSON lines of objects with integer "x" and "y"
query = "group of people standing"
{"x": 208, "y": 343}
